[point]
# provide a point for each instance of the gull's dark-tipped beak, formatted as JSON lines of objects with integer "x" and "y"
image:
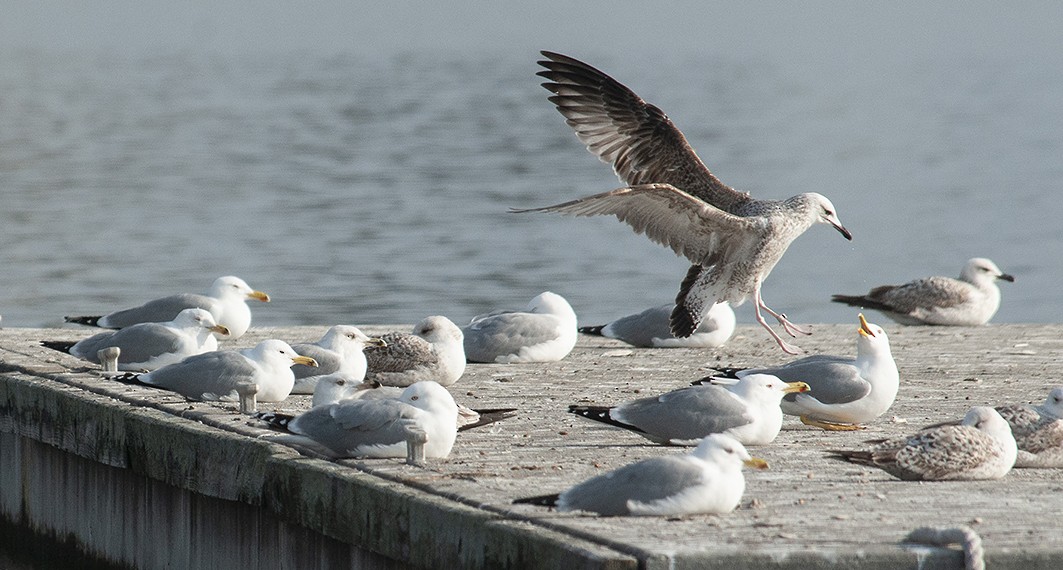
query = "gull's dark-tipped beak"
{"x": 841, "y": 229}
{"x": 1006, "y": 277}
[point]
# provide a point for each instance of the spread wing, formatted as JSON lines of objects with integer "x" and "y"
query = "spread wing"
{"x": 637, "y": 138}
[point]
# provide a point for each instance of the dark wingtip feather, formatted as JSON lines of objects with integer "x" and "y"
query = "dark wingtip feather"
{"x": 595, "y": 330}
{"x": 540, "y": 500}
{"x": 60, "y": 345}
{"x": 92, "y": 321}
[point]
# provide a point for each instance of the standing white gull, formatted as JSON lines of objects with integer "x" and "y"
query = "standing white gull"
{"x": 650, "y": 328}
{"x": 981, "y": 447}
{"x": 545, "y": 332}
{"x": 708, "y": 480}
{"x": 434, "y": 351}
{"x": 732, "y": 239}
{"x": 843, "y": 392}
{"x": 1038, "y": 430}
{"x": 374, "y": 427}
{"x": 341, "y": 349}
{"x": 217, "y": 375}
{"x": 747, "y": 410}
{"x": 971, "y": 300}
{"x": 147, "y": 346}
{"x": 226, "y": 300}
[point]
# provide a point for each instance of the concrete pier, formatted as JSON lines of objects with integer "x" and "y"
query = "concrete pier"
{"x": 144, "y": 478}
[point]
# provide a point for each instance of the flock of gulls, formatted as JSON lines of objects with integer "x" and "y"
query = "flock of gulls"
{"x": 369, "y": 392}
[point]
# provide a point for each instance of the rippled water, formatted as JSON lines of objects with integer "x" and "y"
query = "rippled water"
{"x": 357, "y": 189}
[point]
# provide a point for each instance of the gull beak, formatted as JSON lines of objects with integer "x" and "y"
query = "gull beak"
{"x": 220, "y": 329}
{"x": 864, "y": 329}
{"x": 305, "y": 361}
{"x": 259, "y": 295}
{"x": 1006, "y": 277}
{"x": 374, "y": 341}
{"x": 841, "y": 229}
{"x": 755, "y": 463}
{"x": 792, "y": 387}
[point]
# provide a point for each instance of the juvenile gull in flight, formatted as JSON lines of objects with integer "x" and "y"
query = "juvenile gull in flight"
{"x": 147, "y": 346}
{"x": 434, "y": 351}
{"x": 339, "y": 350}
{"x": 732, "y": 239}
{"x": 226, "y": 300}
{"x": 650, "y": 328}
{"x": 980, "y": 447}
{"x": 1038, "y": 430}
{"x": 971, "y": 300}
{"x": 747, "y": 410}
{"x": 708, "y": 480}
{"x": 374, "y": 427}
{"x": 544, "y": 332}
{"x": 843, "y": 392}
{"x": 217, "y": 375}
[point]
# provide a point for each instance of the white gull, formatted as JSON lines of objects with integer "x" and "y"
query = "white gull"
{"x": 650, "y": 328}
{"x": 340, "y": 349}
{"x": 544, "y": 332}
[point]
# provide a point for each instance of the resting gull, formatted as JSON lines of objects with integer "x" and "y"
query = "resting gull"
{"x": 544, "y": 332}
{"x": 434, "y": 351}
{"x": 971, "y": 300}
{"x": 843, "y": 392}
{"x": 1038, "y": 431}
{"x": 336, "y": 387}
{"x": 226, "y": 300}
{"x": 217, "y": 375}
{"x": 747, "y": 410}
{"x": 650, "y": 328}
{"x": 732, "y": 239}
{"x": 147, "y": 346}
{"x": 374, "y": 427}
{"x": 980, "y": 447}
{"x": 339, "y": 350}
{"x": 708, "y": 480}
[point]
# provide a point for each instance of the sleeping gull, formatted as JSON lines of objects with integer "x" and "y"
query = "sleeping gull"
{"x": 545, "y": 332}
{"x": 732, "y": 239}
{"x": 336, "y": 387}
{"x": 434, "y": 351}
{"x": 708, "y": 480}
{"x": 217, "y": 375}
{"x": 650, "y": 329}
{"x": 971, "y": 300}
{"x": 843, "y": 392}
{"x": 147, "y": 346}
{"x": 980, "y": 447}
{"x": 1038, "y": 431}
{"x": 226, "y": 300}
{"x": 747, "y": 410}
{"x": 374, "y": 427}
{"x": 339, "y": 350}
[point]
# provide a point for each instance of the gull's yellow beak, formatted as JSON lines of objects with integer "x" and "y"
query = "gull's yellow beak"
{"x": 865, "y": 330}
{"x": 220, "y": 329}
{"x": 259, "y": 295}
{"x": 374, "y": 341}
{"x": 304, "y": 360}
{"x": 755, "y": 463}
{"x": 792, "y": 387}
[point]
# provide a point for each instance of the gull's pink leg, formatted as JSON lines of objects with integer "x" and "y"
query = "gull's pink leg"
{"x": 786, "y": 347}
{"x": 789, "y": 327}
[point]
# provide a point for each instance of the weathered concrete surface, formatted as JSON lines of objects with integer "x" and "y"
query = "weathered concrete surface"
{"x": 805, "y": 512}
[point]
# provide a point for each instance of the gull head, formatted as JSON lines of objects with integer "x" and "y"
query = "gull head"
{"x": 332, "y": 388}
{"x": 549, "y": 303}
{"x": 766, "y": 387}
{"x": 200, "y": 319}
{"x": 437, "y": 328}
{"x": 871, "y": 337}
{"x": 988, "y": 420}
{"x": 822, "y": 211}
{"x": 726, "y": 451}
{"x": 234, "y": 286}
{"x": 1053, "y": 405}
{"x": 980, "y": 269}
{"x": 345, "y": 339}
{"x": 429, "y": 396}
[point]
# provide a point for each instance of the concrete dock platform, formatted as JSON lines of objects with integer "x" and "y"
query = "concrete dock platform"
{"x": 147, "y": 479}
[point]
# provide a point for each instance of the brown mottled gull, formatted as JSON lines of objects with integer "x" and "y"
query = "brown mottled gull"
{"x": 971, "y": 300}
{"x": 433, "y": 351}
{"x": 732, "y": 239}
{"x": 980, "y": 447}
{"x": 1038, "y": 430}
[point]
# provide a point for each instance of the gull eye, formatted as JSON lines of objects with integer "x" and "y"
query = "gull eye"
{"x": 341, "y": 382}
{"x": 415, "y": 398}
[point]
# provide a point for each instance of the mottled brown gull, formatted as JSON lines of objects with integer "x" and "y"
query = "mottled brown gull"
{"x": 732, "y": 239}
{"x": 147, "y": 346}
{"x": 226, "y": 300}
{"x": 843, "y": 392}
{"x": 433, "y": 351}
{"x": 747, "y": 410}
{"x": 971, "y": 300}
{"x": 651, "y": 328}
{"x": 1038, "y": 430}
{"x": 708, "y": 480}
{"x": 980, "y": 447}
